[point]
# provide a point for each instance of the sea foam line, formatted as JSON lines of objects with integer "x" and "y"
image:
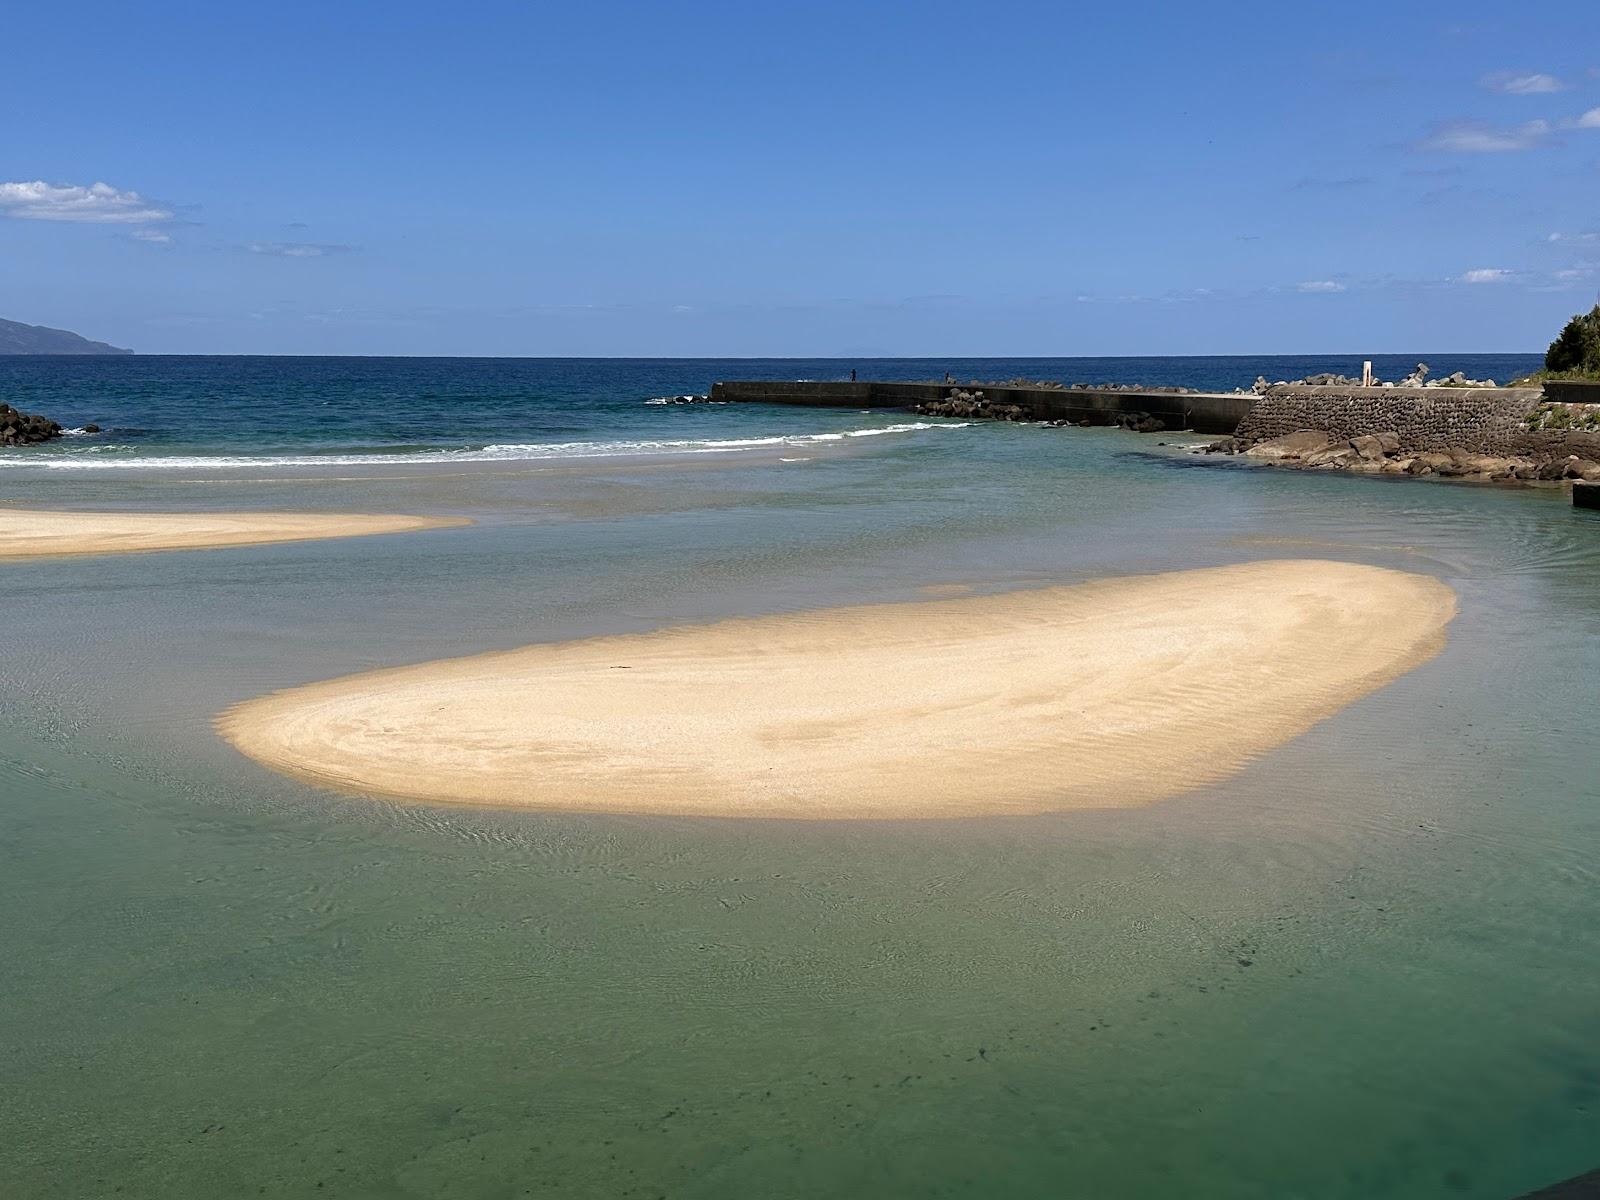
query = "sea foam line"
{"x": 100, "y": 459}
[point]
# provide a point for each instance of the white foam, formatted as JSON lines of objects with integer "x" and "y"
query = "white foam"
{"x": 105, "y": 457}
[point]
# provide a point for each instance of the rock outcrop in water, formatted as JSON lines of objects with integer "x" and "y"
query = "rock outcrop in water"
{"x": 973, "y": 405}
{"x": 25, "y": 429}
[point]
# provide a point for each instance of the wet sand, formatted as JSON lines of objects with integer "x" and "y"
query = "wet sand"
{"x": 1116, "y": 693}
{"x": 32, "y": 533}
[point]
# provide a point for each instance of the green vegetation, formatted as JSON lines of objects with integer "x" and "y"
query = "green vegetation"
{"x": 1583, "y": 417}
{"x": 1575, "y": 354}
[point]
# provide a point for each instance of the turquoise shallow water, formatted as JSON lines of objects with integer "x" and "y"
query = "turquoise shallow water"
{"x": 1364, "y": 967}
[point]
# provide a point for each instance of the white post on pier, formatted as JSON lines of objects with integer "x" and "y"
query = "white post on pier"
{"x": 1366, "y": 373}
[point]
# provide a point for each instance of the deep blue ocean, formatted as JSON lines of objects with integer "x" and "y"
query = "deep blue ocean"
{"x": 170, "y": 411}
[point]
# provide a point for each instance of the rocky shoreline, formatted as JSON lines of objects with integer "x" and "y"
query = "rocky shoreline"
{"x": 1382, "y": 453}
{"x": 1486, "y": 435}
{"x": 25, "y": 429}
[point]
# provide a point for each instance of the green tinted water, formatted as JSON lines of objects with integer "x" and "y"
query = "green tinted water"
{"x": 1365, "y": 967}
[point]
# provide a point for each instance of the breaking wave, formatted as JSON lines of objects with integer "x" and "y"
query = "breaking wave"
{"x": 113, "y": 457}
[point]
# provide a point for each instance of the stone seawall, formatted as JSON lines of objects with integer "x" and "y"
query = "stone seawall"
{"x": 1485, "y": 421}
{"x": 1174, "y": 408}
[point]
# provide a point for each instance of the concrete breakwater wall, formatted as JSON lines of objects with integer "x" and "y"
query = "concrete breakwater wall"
{"x": 1203, "y": 412}
{"x": 1487, "y": 421}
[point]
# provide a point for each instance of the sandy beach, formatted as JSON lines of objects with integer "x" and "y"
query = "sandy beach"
{"x": 1115, "y": 693}
{"x": 31, "y": 533}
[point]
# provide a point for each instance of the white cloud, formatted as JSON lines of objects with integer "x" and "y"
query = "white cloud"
{"x": 1512, "y": 83}
{"x": 1589, "y": 120}
{"x": 151, "y": 235}
{"x": 99, "y": 203}
{"x": 1486, "y": 275}
{"x": 1472, "y": 137}
{"x": 1587, "y": 238}
{"x": 297, "y": 249}
{"x": 1320, "y": 285}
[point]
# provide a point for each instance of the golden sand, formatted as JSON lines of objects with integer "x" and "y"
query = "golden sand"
{"x": 1110, "y": 694}
{"x": 29, "y": 533}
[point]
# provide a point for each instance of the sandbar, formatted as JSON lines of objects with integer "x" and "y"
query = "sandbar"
{"x": 34, "y": 533}
{"x": 1116, "y": 693}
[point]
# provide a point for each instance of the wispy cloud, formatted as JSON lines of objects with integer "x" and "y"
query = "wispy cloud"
{"x": 98, "y": 203}
{"x": 1310, "y": 183}
{"x": 1515, "y": 83}
{"x": 1588, "y": 237}
{"x": 1486, "y": 275}
{"x": 1320, "y": 286}
{"x": 1589, "y": 120}
{"x": 298, "y": 249}
{"x": 1474, "y": 137}
{"x": 151, "y": 235}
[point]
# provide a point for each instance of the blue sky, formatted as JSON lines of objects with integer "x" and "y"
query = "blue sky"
{"x": 787, "y": 179}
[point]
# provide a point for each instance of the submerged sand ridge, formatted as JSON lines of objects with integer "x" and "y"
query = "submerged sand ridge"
{"x": 33, "y": 533}
{"x": 1109, "y": 694}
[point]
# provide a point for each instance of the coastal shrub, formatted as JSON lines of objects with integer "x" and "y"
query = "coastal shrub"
{"x": 1576, "y": 349}
{"x": 1585, "y": 417}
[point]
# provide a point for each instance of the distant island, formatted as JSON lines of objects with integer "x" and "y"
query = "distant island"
{"x": 17, "y": 338}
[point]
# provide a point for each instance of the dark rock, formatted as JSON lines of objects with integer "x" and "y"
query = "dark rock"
{"x": 25, "y": 429}
{"x": 1141, "y": 422}
{"x": 961, "y": 403}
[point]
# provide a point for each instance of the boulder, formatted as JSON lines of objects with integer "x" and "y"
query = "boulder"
{"x": 1291, "y": 445}
{"x": 1369, "y": 447}
{"x": 1482, "y": 464}
{"x": 1141, "y": 422}
{"x": 1330, "y": 457}
{"x": 25, "y": 429}
{"x": 1574, "y": 467}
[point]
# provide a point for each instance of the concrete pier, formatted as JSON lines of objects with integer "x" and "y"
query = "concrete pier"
{"x": 1586, "y": 495}
{"x": 1203, "y": 412}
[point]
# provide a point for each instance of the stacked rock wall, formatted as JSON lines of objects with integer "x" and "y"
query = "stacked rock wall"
{"x": 1479, "y": 420}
